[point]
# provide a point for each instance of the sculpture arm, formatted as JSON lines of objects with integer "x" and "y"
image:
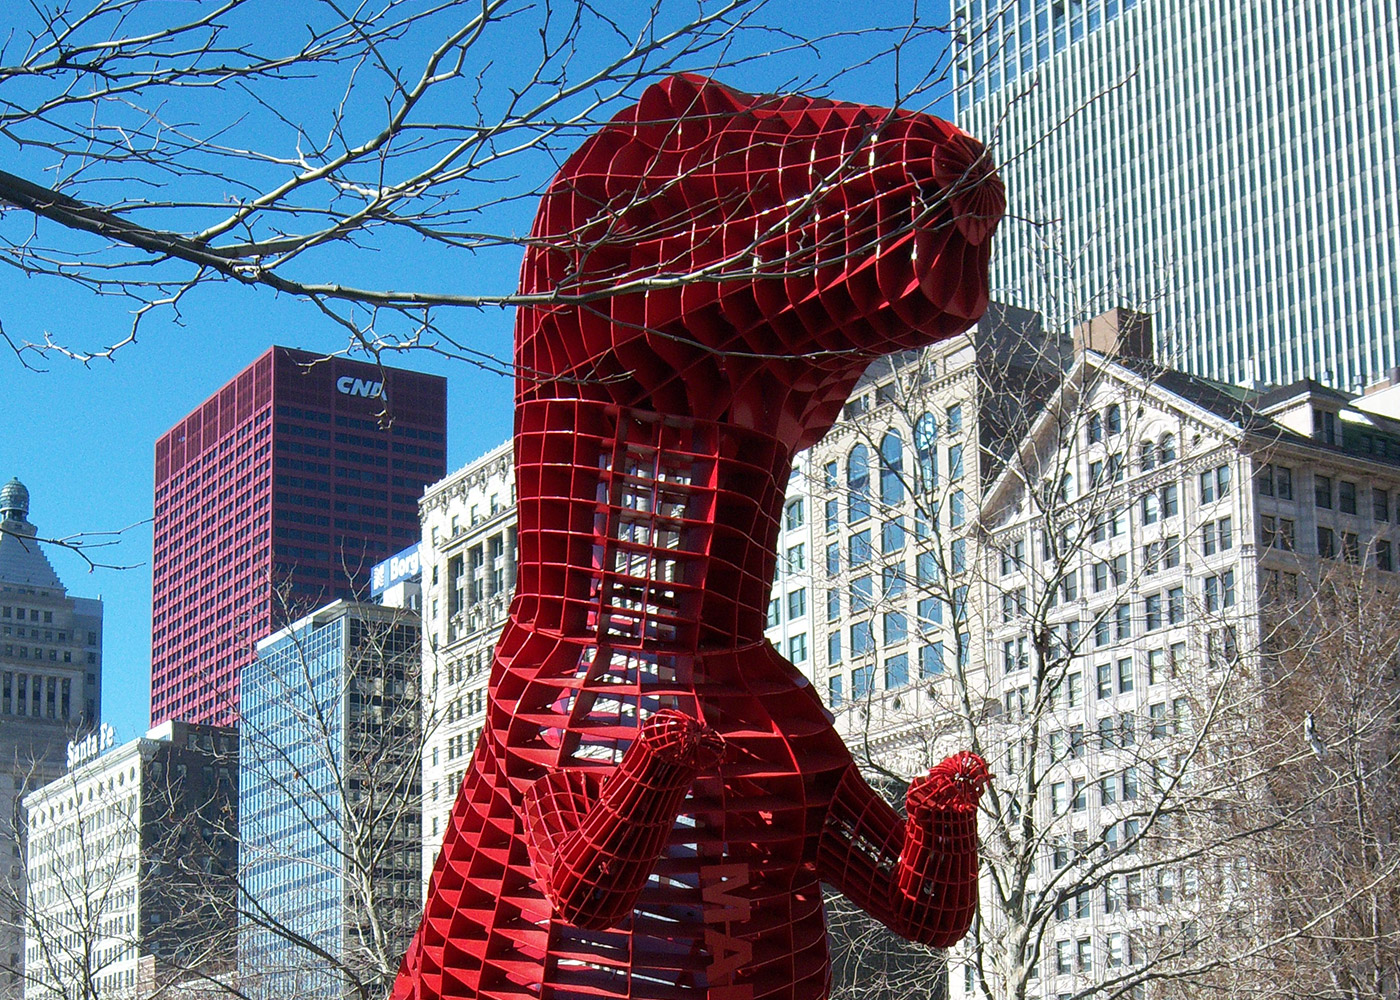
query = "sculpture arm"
{"x": 594, "y": 843}
{"x": 917, "y": 876}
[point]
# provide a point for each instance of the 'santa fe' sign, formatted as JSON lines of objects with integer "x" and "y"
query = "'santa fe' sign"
{"x": 359, "y": 387}
{"x": 88, "y": 747}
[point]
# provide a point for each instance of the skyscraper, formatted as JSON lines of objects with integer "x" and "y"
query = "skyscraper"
{"x": 1230, "y": 168}
{"x": 50, "y": 691}
{"x": 276, "y": 496}
{"x": 330, "y": 803}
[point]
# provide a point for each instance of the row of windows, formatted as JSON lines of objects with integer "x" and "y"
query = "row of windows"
{"x": 36, "y": 696}
{"x": 19, "y": 614}
{"x": 896, "y": 668}
{"x": 891, "y": 468}
{"x": 1008, "y": 41}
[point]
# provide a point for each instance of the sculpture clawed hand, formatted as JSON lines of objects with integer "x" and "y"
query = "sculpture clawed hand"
{"x": 681, "y": 740}
{"x": 954, "y": 785}
{"x": 594, "y": 844}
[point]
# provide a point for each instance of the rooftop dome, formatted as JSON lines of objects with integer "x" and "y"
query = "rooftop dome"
{"x": 14, "y": 501}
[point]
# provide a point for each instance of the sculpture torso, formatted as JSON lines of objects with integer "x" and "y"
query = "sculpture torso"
{"x": 654, "y": 440}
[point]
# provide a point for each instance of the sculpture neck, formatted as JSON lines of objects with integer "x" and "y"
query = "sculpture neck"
{"x": 645, "y": 531}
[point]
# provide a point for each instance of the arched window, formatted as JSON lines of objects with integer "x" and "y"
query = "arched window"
{"x": 1147, "y": 455}
{"x": 858, "y": 484}
{"x": 1166, "y": 449}
{"x": 891, "y": 469}
{"x": 926, "y": 452}
{"x": 1095, "y": 432}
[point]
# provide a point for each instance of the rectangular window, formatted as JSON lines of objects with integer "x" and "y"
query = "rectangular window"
{"x": 930, "y": 611}
{"x": 931, "y": 660}
{"x": 1117, "y": 950}
{"x": 1283, "y": 482}
{"x": 1322, "y": 491}
{"x": 955, "y": 462}
{"x": 1326, "y": 542}
{"x": 957, "y": 555}
{"x": 1152, "y": 612}
{"x": 797, "y": 558}
{"x": 862, "y": 681}
{"x": 892, "y": 536}
{"x": 859, "y": 551}
{"x": 1156, "y": 664}
{"x": 1125, "y": 675}
{"x": 833, "y": 647}
{"x": 1130, "y": 784}
{"x": 896, "y": 671}
{"x": 926, "y": 568}
{"x": 833, "y": 687}
{"x": 896, "y": 627}
{"x": 1170, "y": 503}
{"x": 797, "y": 648}
{"x": 1074, "y": 690}
{"x": 775, "y": 613}
{"x": 833, "y": 604}
{"x": 862, "y": 639}
{"x": 1383, "y": 557}
{"x": 1105, "y": 678}
{"x": 862, "y": 594}
{"x": 796, "y": 515}
{"x": 833, "y": 559}
{"x": 797, "y": 603}
{"x": 1176, "y": 606}
{"x": 1157, "y": 714}
{"x": 1380, "y": 503}
{"x": 1151, "y": 508}
{"x": 1123, "y": 619}
{"x": 1346, "y": 497}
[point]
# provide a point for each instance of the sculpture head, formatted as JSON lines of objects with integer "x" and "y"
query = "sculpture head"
{"x": 742, "y": 258}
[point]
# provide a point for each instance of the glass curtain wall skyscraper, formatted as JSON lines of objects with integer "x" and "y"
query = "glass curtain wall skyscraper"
{"x": 330, "y": 803}
{"x": 1229, "y": 168}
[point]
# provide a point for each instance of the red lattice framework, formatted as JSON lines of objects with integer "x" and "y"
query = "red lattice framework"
{"x": 658, "y": 794}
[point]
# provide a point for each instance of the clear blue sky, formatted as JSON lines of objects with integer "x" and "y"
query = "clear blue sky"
{"x": 82, "y": 438}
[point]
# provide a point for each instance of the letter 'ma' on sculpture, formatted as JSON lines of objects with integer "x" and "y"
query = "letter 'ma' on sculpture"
{"x": 657, "y": 794}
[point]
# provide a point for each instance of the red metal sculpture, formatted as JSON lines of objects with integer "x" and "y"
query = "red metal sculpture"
{"x": 657, "y": 793}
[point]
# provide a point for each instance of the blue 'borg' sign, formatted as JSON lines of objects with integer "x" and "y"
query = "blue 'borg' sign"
{"x": 397, "y": 568}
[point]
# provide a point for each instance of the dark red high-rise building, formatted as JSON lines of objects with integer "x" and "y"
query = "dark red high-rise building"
{"x": 275, "y": 496}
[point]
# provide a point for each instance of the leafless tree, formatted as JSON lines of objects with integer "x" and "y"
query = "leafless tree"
{"x": 131, "y": 871}
{"x": 344, "y": 159}
{"x": 1081, "y": 626}
{"x": 1312, "y": 898}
